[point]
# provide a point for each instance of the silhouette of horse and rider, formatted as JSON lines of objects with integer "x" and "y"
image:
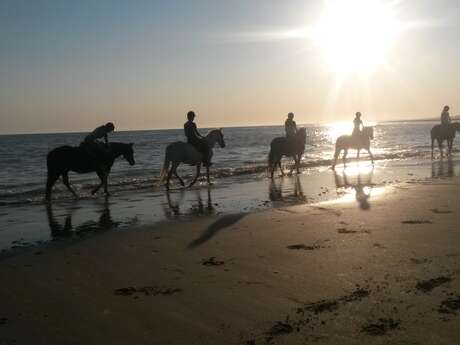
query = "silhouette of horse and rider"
{"x": 94, "y": 155}
{"x": 91, "y": 156}
{"x": 444, "y": 132}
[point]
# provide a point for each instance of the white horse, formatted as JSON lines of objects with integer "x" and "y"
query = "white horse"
{"x": 180, "y": 152}
{"x": 359, "y": 141}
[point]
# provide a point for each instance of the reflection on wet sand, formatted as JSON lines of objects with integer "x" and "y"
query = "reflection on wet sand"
{"x": 290, "y": 192}
{"x": 443, "y": 168}
{"x": 174, "y": 206}
{"x": 65, "y": 228}
{"x": 360, "y": 181}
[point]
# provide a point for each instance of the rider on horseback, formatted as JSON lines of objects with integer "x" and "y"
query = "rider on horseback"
{"x": 93, "y": 146}
{"x": 357, "y": 124}
{"x": 290, "y": 126}
{"x": 196, "y": 139}
{"x": 445, "y": 117}
{"x": 291, "y": 129}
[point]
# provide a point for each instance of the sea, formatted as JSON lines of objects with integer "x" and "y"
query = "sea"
{"x": 239, "y": 175}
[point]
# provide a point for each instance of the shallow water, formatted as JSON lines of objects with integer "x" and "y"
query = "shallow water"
{"x": 360, "y": 184}
{"x": 23, "y": 157}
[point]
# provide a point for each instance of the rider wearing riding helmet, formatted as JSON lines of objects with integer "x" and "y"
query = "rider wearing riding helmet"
{"x": 196, "y": 139}
{"x": 357, "y": 124}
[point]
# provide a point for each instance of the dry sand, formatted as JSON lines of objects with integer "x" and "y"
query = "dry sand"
{"x": 329, "y": 273}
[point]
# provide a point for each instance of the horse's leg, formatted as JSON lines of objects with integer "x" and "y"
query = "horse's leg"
{"x": 180, "y": 179}
{"x": 345, "y": 152}
{"x": 65, "y": 179}
{"x": 432, "y": 148}
{"x": 99, "y": 173}
{"x": 357, "y": 154}
{"x": 336, "y": 155}
{"x": 170, "y": 172}
{"x": 298, "y": 163}
{"x": 198, "y": 168}
{"x": 51, "y": 180}
{"x": 440, "y": 147}
{"x": 449, "y": 143}
{"x": 273, "y": 169}
{"x": 207, "y": 175}
{"x": 370, "y": 154}
{"x": 105, "y": 179}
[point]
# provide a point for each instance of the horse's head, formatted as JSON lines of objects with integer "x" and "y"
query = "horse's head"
{"x": 128, "y": 154}
{"x": 456, "y": 126}
{"x": 217, "y": 136}
{"x": 368, "y": 132}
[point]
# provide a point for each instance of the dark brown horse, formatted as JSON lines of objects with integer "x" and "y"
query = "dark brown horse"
{"x": 359, "y": 142}
{"x": 441, "y": 133}
{"x": 283, "y": 146}
{"x": 63, "y": 159}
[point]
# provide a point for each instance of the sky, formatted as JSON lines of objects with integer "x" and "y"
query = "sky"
{"x": 73, "y": 65}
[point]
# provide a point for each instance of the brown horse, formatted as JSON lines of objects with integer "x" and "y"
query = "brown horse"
{"x": 282, "y": 146}
{"x": 63, "y": 159}
{"x": 358, "y": 141}
{"x": 441, "y": 133}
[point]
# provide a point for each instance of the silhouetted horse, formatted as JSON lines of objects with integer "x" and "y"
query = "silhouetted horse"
{"x": 180, "y": 152}
{"x": 63, "y": 159}
{"x": 283, "y": 146}
{"x": 358, "y": 141}
{"x": 441, "y": 133}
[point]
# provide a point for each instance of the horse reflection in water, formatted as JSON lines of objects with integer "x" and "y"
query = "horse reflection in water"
{"x": 279, "y": 192}
{"x": 66, "y": 228}
{"x": 443, "y": 168}
{"x": 176, "y": 201}
{"x": 360, "y": 182}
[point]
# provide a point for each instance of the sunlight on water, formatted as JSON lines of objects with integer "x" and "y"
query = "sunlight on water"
{"x": 336, "y": 129}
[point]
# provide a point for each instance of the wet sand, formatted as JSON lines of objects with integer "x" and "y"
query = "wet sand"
{"x": 30, "y": 224}
{"x": 327, "y": 273}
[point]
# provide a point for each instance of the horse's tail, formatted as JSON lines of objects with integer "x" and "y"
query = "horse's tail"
{"x": 165, "y": 168}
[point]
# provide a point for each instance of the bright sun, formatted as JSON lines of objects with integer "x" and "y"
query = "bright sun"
{"x": 355, "y": 35}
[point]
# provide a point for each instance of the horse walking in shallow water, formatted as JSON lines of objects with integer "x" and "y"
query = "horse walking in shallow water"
{"x": 283, "y": 146}
{"x": 63, "y": 159}
{"x": 180, "y": 152}
{"x": 441, "y": 133}
{"x": 358, "y": 141}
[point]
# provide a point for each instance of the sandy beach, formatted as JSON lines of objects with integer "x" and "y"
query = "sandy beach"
{"x": 324, "y": 273}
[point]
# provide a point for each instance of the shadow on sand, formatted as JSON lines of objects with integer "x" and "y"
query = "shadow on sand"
{"x": 220, "y": 224}
{"x": 360, "y": 182}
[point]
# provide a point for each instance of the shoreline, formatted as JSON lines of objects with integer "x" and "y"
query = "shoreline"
{"x": 32, "y": 225}
{"x": 325, "y": 273}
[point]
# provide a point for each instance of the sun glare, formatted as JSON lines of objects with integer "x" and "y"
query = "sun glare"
{"x": 355, "y": 35}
